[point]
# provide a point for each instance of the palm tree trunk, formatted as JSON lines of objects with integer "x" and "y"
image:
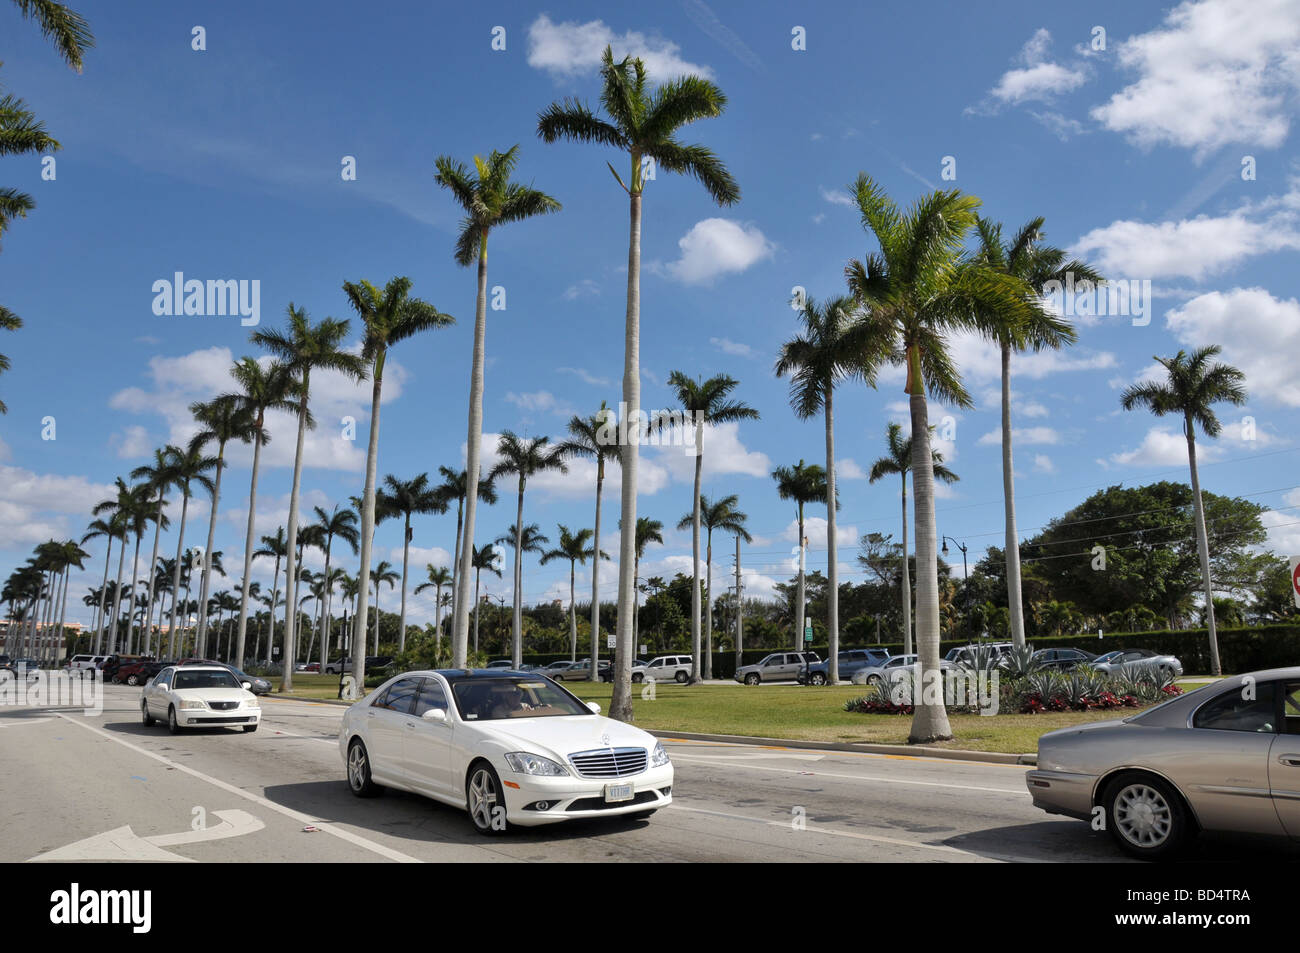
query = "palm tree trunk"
{"x": 103, "y": 596}
{"x": 153, "y": 562}
{"x": 595, "y": 573}
{"x": 930, "y": 721}
{"x": 799, "y": 590}
{"x": 63, "y": 614}
{"x": 455, "y": 566}
{"x": 517, "y": 617}
{"x": 130, "y": 618}
{"x": 473, "y": 445}
{"x": 707, "y": 601}
{"x": 832, "y": 561}
{"x": 176, "y": 577}
{"x": 1203, "y": 547}
{"x": 248, "y": 553}
{"x": 695, "y": 558}
{"x": 740, "y": 610}
{"x": 291, "y": 557}
{"x": 325, "y": 611}
{"x": 907, "y": 578}
{"x": 437, "y": 616}
{"x": 573, "y": 616}
{"x": 620, "y": 706}
{"x": 1014, "y": 595}
{"x": 367, "y": 531}
{"x": 207, "y": 553}
{"x": 476, "y": 607}
{"x": 406, "y": 553}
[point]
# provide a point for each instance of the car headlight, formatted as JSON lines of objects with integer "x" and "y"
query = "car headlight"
{"x": 252, "y": 703}
{"x": 193, "y": 703}
{"x": 658, "y": 757}
{"x": 522, "y": 762}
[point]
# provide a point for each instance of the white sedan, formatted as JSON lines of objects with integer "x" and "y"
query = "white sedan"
{"x": 510, "y": 748}
{"x": 199, "y": 696}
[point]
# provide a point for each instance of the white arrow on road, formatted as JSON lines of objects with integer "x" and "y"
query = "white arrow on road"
{"x": 122, "y": 843}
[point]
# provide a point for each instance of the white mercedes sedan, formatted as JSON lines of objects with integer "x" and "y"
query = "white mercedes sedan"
{"x": 509, "y": 747}
{"x": 199, "y": 696}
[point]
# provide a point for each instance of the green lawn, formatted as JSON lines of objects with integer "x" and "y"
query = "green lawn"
{"x": 793, "y": 712}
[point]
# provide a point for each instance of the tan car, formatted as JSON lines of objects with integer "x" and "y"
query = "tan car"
{"x": 1224, "y": 758}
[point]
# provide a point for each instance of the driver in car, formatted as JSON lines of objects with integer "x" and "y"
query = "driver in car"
{"x": 507, "y": 701}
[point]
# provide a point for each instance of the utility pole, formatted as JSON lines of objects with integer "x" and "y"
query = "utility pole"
{"x": 740, "y": 609}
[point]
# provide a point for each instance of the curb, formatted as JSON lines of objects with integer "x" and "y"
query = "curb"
{"x": 915, "y": 751}
{"x": 304, "y": 698}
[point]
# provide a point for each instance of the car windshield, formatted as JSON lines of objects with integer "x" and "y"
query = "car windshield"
{"x": 204, "y": 679}
{"x": 488, "y": 699}
{"x": 1108, "y": 657}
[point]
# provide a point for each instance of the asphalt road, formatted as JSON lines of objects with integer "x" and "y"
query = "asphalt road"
{"x": 79, "y": 788}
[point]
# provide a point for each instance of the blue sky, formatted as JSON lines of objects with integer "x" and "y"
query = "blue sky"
{"x": 225, "y": 163}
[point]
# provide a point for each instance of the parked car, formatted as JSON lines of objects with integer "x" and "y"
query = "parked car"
{"x": 669, "y": 668}
{"x": 1137, "y": 662}
{"x": 1062, "y": 659}
{"x": 579, "y": 671}
{"x": 456, "y": 736}
{"x": 872, "y": 674}
{"x": 966, "y": 653}
{"x": 777, "y": 667}
{"x": 138, "y": 672}
{"x": 557, "y": 669}
{"x": 312, "y": 668}
{"x": 199, "y": 696}
{"x": 337, "y": 666}
{"x": 638, "y": 670}
{"x": 27, "y": 669}
{"x": 115, "y": 662}
{"x": 1224, "y": 758}
{"x": 256, "y": 685}
{"x": 501, "y": 663}
{"x": 849, "y": 662}
{"x": 86, "y": 663}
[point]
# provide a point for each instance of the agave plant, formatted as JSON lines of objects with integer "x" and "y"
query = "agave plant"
{"x": 981, "y": 660}
{"x": 1077, "y": 688}
{"x": 1045, "y": 683}
{"x": 1018, "y": 661}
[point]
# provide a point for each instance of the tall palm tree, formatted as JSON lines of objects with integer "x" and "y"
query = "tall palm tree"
{"x": 341, "y": 524}
{"x": 438, "y": 576}
{"x": 302, "y": 348}
{"x": 348, "y": 591}
{"x": 720, "y": 515}
{"x": 590, "y": 437}
{"x": 802, "y": 484}
{"x": 921, "y": 287}
{"x": 381, "y": 574}
{"x": 576, "y": 548}
{"x": 138, "y": 520}
{"x": 489, "y": 199}
{"x": 1036, "y": 265}
{"x": 484, "y": 558}
{"x": 273, "y": 547}
{"x": 110, "y": 530}
{"x": 524, "y": 539}
{"x": 161, "y": 476}
{"x": 703, "y": 403}
{"x": 220, "y": 421}
{"x": 835, "y": 344}
{"x": 647, "y": 531}
{"x": 643, "y": 122}
{"x": 389, "y": 317}
{"x": 451, "y": 488}
{"x": 899, "y": 460}
{"x": 405, "y": 498}
{"x": 1194, "y": 384}
{"x": 189, "y": 466}
{"x": 262, "y": 389}
{"x": 21, "y": 133}
{"x": 63, "y": 26}
{"x": 523, "y": 457}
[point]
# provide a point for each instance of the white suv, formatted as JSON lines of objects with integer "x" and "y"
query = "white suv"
{"x": 86, "y": 663}
{"x": 669, "y": 668}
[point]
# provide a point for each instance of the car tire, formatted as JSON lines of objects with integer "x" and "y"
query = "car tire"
{"x": 681, "y": 678}
{"x": 818, "y": 678}
{"x": 1146, "y": 816}
{"x": 249, "y": 728}
{"x": 145, "y": 717}
{"x": 638, "y": 678}
{"x": 116, "y": 680}
{"x": 132, "y": 680}
{"x": 752, "y": 679}
{"x": 172, "y": 725}
{"x": 483, "y": 796}
{"x": 873, "y": 679}
{"x": 359, "y": 780}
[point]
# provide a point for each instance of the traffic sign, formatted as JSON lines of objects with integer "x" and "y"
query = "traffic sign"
{"x": 807, "y": 632}
{"x": 1295, "y": 579}
{"x": 611, "y": 642}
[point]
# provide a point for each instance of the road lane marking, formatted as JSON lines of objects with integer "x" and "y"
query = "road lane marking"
{"x": 731, "y": 763}
{"x": 344, "y": 835}
{"x": 835, "y": 753}
{"x": 122, "y": 843}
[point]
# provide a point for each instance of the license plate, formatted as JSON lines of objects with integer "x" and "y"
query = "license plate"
{"x": 618, "y": 792}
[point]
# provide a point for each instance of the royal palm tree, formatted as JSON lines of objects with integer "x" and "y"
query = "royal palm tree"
{"x": 643, "y": 123}
{"x": 802, "y": 484}
{"x": 898, "y": 460}
{"x": 302, "y": 348}
{"x": 451, "y": 488}
{"x": 273, "y": 547}
{"x": 1034, "y": 329}
{"x": 487, "y": 558}
{"x": 701, "y": 403}
{"x": 576, "y": 548}
{"x": 389, "y": 317}
{"x": 721, "y": 515}
{"x": 489, "y": 199}
{"x": 593, "y": 438}
{"x": 341, "y": 524}
{"x": 647, "y": 531}
{"x": 262, "y": 389}
{"x": 1193, "y": 385}
{"x": 381, "y": 574}
{"x": 526, "y": 539}
{"x": 189, "y": 466}
{"x": 161, "y": 475}
{"x": 523, "y": 457}
{"x": 405, "y": 498}
{"x": 220, "y": 421}
{"x": 110, "y": 530}
{"x": 835, "y": 344}
{"x": 438, "y": 576}
{"x": 921, "y": 287}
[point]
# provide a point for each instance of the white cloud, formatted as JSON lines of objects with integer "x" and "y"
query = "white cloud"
{"x": 980, "y": 360}
{"x": 814, "y": 527}
{"x": 1043, "y": 463}
{"x": 838, "y": 197}
{"x": 586, "y": 376}
{"x": 1283, "y": 526}
{"x": 724, "y": 455}
{"x": 134, "y": 441}
{"x": 1255, "y": 329}
{"x": 1164, "y": 448}
{"x": 848, "y": 469}
{"x": 584, "y": 288}
{"x": 1058, "y": 125}
{"x": 715, "y": 247}
{"x": 1035, "y": 79}
{"x": 571, "y": 49}
{"x": 728, "y": 346}
{"x": 35, "y": 507}
{"x": 1215, "y": 72}
{"x": 542, "y": 401}
{"x": 1027, "y": 436}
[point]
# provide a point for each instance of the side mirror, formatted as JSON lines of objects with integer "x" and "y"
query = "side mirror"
{"x": 163, "y": 686}
{"x": 595, "y": 707}
{"x": 435, "y": 714}
{"x": 246, "y": 685}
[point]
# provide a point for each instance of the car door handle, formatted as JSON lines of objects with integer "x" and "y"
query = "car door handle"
{"x": 1291, "y": 759}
